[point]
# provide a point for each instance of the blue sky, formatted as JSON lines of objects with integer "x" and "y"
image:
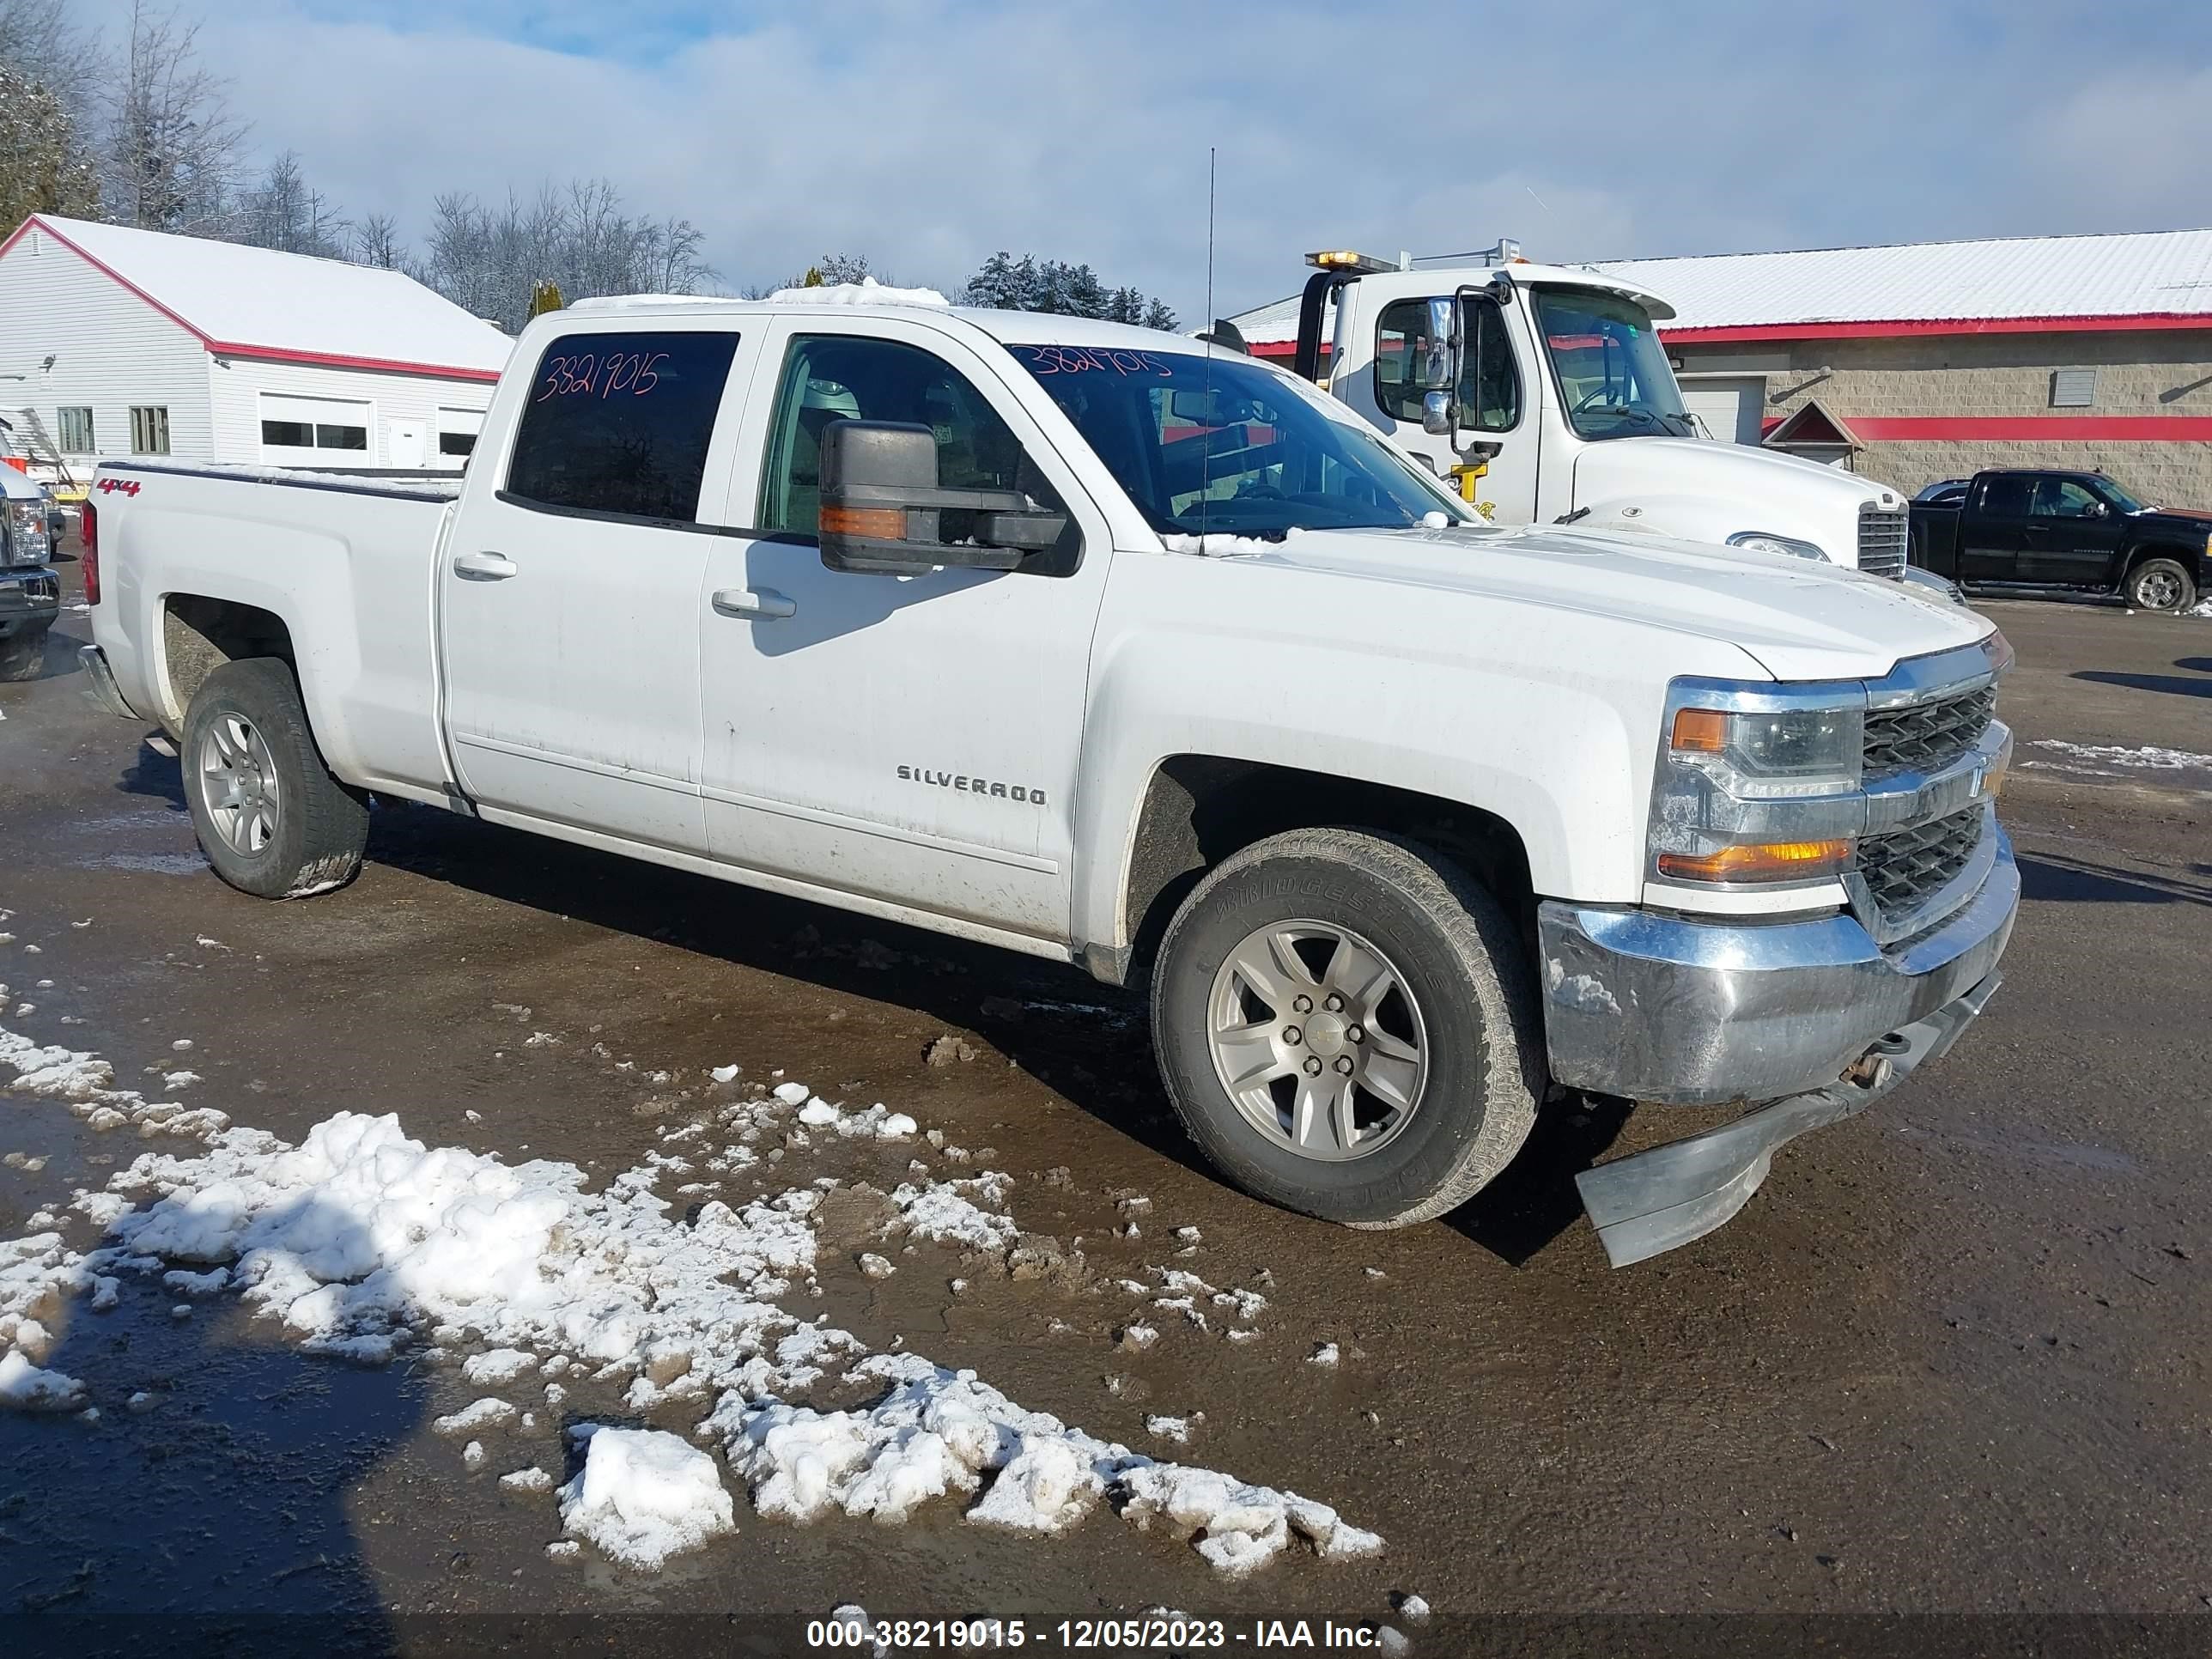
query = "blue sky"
{"x": 928, "y": 133}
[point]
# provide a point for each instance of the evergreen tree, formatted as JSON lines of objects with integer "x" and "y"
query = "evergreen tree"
{"x": 1006, "y": 283}
{"x": 47, "y": 169}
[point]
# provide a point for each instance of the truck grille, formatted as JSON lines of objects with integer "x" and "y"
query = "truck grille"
{"x": 1881, "y": 541}
{"x": 1904, "y": 868}
{"x": 1926, "y": 736}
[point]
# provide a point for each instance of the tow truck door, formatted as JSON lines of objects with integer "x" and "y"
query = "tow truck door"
{"x": 1497, "y": 399}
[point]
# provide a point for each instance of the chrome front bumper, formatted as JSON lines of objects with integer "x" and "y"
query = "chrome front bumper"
{"x": 1685, "y": 1013}
{"x": 1665, "y": 1009}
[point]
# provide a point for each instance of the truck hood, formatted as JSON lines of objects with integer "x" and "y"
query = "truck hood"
{"x": 1683, "y": 466}
{"x": 1798, "y": 619}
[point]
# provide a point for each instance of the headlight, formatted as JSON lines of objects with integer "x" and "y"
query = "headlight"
{"x": 1761, "y": 541}
{"x": 27, "y": 532}
{"x": 1757, "y": 783}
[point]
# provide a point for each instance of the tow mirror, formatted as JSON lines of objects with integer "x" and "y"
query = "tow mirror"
{"x": 884, "y": 511}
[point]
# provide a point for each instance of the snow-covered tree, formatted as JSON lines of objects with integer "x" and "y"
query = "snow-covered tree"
{"x": 44, "y": 166}
{"x": 282, "y": 211}
{"x": 376, "y": 242}
{"x": 490, "y": 260}
{"x": 1028, "y": 283}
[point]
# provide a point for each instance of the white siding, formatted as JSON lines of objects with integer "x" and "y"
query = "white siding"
{"x": 239, "y": 383}
{"x": 111, "y": 350}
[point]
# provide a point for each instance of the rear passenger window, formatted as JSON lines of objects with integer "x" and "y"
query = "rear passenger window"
{"x": 619, "y": 424}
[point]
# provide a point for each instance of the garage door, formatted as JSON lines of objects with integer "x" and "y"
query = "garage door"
{"x": 1727, "y": 411}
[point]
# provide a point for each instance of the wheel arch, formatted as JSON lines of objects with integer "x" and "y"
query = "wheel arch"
{"x": 1197, "y": 810}
{"x": 201, "y": 632}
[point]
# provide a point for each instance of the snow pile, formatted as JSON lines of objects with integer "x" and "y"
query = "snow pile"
{"x": 2202, "y": 607}
{"x": 878, "y": 1122}
{"x": 361, "y": 1241}
{"x": 1216, "y": 545}
{"x": 82, "y": 1079}
{"x": 25, "y": 1388}
{"x": 643, "y": 1495}
{"x": 2145, "y": 758}
{"x": 945, "y": 1212}
{"x": 866, "y": 292}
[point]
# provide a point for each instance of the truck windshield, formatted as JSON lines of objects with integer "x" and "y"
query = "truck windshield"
{"x": 1613, "y": 373}
{"x": 1223, "y": 445}
{"x": 2119, "y": 497}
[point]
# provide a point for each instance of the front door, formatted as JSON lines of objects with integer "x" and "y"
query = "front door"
{"x": 404, "y": 444}
{"x": 907, "y": 738}
{"x": 1490, "y": 400}
{"x": 1993, "y": 529}
{"x": 570, "y": 587}
{"x": 2072, "y": 535}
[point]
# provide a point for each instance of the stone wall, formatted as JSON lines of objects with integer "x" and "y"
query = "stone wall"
{"x": 2147, "y": 372}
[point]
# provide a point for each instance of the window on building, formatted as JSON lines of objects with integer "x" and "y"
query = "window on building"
{"x": 329, "y": 437}
{"x": 457, "y": 433}
{"x": 620, "y": 423}
{"x": 2073, "y": 388}
{"x": 76, "y": 431}
{"x": 457, "y": 443}
{"x": 150, "y": 431}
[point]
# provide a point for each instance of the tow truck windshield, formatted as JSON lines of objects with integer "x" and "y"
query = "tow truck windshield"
{"x": 1612, "y": 373}
{"x": 1219, "y": 445}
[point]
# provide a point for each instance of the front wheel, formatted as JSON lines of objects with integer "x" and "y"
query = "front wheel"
{"x": 1347, "y": 1026}
{"x": 23, "y": 653}
{"x": 270, "y": 816}
{"x": 2161, "y": 584}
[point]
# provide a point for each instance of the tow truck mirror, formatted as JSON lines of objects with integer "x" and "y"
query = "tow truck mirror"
{"x": 1438, "y": 418}
{"x": 883, "y": 510}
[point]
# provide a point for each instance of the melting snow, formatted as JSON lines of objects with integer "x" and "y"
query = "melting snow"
{"x": 644, "y": 1495}
{"x": 2147, "y": 758}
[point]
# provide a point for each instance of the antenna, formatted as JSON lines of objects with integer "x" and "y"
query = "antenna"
{"x": 1205, "y": 440}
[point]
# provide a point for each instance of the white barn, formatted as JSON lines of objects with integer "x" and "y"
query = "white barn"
{"x": 119, "y": 343}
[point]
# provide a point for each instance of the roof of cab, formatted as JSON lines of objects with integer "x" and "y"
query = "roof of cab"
{"x": 1008, "y": 327}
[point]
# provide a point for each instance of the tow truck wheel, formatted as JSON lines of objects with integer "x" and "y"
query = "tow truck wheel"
{"x": 23, "y": 654}
{"x": 270, "y": 816}
{"x": 2161, "y": 584}
{"x": 1345, "y": 1025}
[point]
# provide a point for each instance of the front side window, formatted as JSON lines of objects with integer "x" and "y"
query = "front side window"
{"x": 150, "y": 431}
{"x": 2066, "y": 498}
{"x": 620, "y": 423}
{"x": 1614, "y": 375}
{"x": 75, "y": 430}
{"x": 1222, "y": 446}
{"x": 1489, "y": 382}
{"x": 834, "y": 377}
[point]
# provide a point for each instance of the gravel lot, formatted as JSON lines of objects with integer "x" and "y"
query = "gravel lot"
{"x": 1951, "y": 1359}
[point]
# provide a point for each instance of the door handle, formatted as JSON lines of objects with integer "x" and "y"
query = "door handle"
{"x": 763, "y": 603}
{"x": 484, "y": 567}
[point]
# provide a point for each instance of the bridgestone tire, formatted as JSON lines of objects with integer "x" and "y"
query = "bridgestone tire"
{"x": 321, "y": 825}
{"x": 1459, "y": 956}
{"x": 2171, "y": 569}
{"x": 23, "y": 654}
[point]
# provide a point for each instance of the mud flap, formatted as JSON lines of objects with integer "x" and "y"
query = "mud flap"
{"x": 1651, "y": 1203}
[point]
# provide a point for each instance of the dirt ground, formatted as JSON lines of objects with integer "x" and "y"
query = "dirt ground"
{"x": 1952, "y": 1360}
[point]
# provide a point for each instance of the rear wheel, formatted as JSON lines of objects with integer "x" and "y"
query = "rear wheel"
{"x": 270, "y": 816}
{"x": 2161, "y": 584}
{"x": 1345, "y": 1026}
{"x": 23, "y": 653}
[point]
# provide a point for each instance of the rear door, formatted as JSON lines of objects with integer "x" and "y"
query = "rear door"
{"x": 1993, "y": 527}
{"x": 2072, "y": 535}
{"x": 570, "y": 584}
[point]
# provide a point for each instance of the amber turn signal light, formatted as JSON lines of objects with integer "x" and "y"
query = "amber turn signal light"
{"x": 1700, "y": 731}
{"x": 882, "y": 523}
{"x": 1774, "y": 861}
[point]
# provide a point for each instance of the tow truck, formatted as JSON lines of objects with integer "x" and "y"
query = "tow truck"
{"x": 1544, "y": 394}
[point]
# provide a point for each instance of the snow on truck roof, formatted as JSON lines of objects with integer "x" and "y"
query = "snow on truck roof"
{"x": 254, "y": 302}
{"x": 1008, "y": 327}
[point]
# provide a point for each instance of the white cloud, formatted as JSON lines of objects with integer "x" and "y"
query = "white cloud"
{"x": 928, "y": 133}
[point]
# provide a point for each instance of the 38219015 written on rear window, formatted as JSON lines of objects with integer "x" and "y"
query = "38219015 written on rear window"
{"x": 620, "y": 422}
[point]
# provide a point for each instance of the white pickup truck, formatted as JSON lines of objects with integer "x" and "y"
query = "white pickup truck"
{"x": 1096, "y": 644}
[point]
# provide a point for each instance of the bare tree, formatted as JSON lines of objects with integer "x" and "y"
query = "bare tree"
{"x": 284, "y": 212}
{"x": 490, "y": 260}
{"x": 376, "y": 242}
{"x": 173, "y": 141}
{"x": 40, "y": 42}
